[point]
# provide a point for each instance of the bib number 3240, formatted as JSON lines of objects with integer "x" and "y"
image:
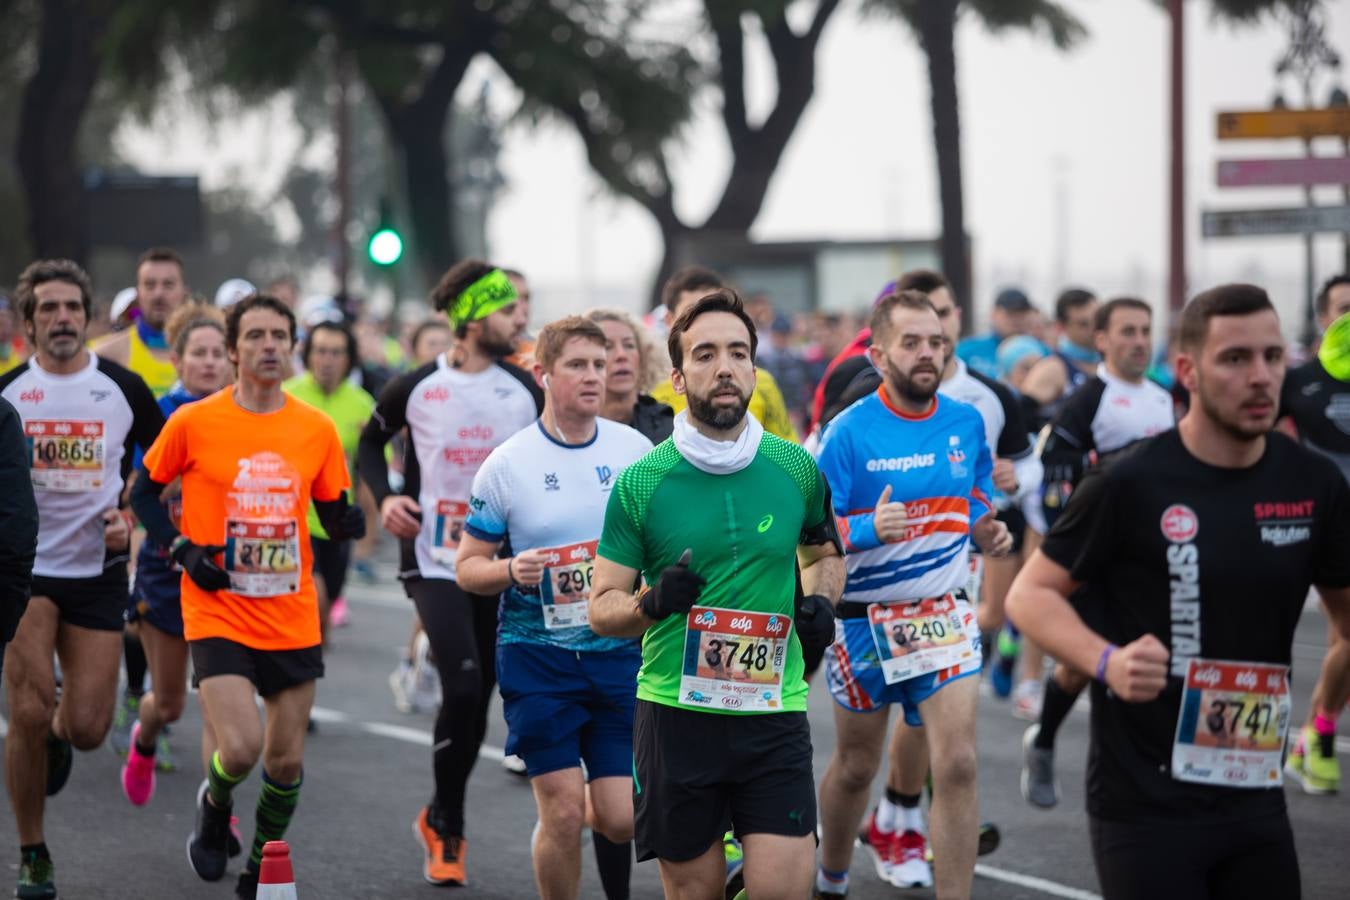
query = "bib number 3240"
{"x": 1233, "y": 723}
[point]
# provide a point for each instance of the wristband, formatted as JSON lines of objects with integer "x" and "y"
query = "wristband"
{"x": 1103, "y": 660}
{"x": 177, "y": 543}
{"x": 510, "y": 573}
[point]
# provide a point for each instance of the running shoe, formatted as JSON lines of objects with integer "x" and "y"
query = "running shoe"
{"x": 1001, "y": 673}
{"x": 339, "y": 616}
{"x": 444, "y": 854}
{"x": 1039, "y": 785}
{"x": 138, "y": 772}
{"x": 880, "y": 845}
{"x": 1026, "y": 703}
{"x": 820, "y": 894}
{"x": 911, "y": 868}
{"x": 426, "y": 680}
{"x": 990, "y": 838}
{"x": 735, "y": 855}
{"x": 400, "y": 683}
{"x": 515, "y": 765}
{"x": 36, "y": 878}
{"x": 364, "y": 570}
{"x": 1316, "y": 772}
{"x": 246, "y": 888}
{"x": 208, "y": 847}
{"x": 60, "y": 757}
{"x": 164, "y": 761}
{"x": 124, "y": 716}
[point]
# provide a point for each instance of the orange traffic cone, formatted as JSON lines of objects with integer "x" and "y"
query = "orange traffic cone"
{"x": 276, "y": 880}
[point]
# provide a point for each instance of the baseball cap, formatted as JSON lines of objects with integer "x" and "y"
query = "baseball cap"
{"x": 318, "y": 308}
{"x": 122, "y": 302}
{"x": 1013, "y": 300}
{"x": 232, "y": 291}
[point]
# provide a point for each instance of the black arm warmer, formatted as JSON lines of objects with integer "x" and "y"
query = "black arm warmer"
{"x": 152, "y": 513}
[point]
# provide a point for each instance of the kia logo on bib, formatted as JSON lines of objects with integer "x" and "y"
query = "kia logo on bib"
{"x": 1180, "y": 524}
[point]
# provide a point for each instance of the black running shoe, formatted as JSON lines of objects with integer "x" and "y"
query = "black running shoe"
{"x": 60, "y": 757}
{"x": 247, "y": 886}
{"x": 208, "y": 845}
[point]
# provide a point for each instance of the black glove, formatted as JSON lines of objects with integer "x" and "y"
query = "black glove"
{"x": 350, "y": 526}
{"x": 676, "y": 591}
{"x": 197, "y": 561}
{"x": 814, "y": 622}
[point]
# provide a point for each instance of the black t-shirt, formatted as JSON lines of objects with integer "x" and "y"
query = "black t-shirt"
{"x": 1215, "y": 563}
{"x": 1320, "y": 407}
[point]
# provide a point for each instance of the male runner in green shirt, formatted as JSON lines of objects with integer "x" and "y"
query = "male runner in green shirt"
{"x": 715, "y": 518}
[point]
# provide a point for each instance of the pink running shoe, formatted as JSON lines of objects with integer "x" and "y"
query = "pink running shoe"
{"x": 138, "y": 772}
{"x": 338, "y": 614}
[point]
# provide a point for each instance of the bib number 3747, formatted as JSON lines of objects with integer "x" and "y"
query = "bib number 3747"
{"x": 1233, "y": 724}
{"x": 733, "y": 659}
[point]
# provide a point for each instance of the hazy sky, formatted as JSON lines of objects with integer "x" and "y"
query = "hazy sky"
{"x": 1065, "y": 159}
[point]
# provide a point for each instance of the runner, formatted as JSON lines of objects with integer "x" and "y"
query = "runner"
{"x": 250, "y": 460}
{"x": 685, "y": 287}
{"x": 1016, "y": 473}
{"x": 1316, "y": 398}
{"x": 196, "y": 335}
{"x": 711, "y": 519}
{"x": 908, "y": 565}
{"x": 329, "y": 355}
{"x": 457, "y": 410}
{"x": 82, "y": 416}
{"x": 18, "y": 524}
{"x": 632, "y": 367}
{"x": 567, "y": 693}
{"x": 1197, "y": 549}
{"x": 1075, "y": 357}
{"x": 1117, "y": 407}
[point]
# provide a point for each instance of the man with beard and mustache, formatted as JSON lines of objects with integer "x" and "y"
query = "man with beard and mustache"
{"x": 1117, "y": 407}
{"x": 716, "y": 519}
{"x": 911, "y": 477}
{"x": 82, "y": 416}
{"x": 457, "y": 409}
{"x": 1197, "y": 548}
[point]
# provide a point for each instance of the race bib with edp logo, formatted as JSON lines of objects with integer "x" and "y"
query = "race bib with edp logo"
{"x": 66, "y": 456}
{"x": 262, "y": 556}
{"x": 1232, "y": 725}
{"x": 566, "y": 587}
{"x": 914, "y": 639}
{"x": 733, "y": 659}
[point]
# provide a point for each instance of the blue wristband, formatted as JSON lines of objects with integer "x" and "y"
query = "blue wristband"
{"x": 1102, "y": 661}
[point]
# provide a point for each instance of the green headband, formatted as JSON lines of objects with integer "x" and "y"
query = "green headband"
{"x": 1334, "y": 353}
{"x": 482, "y": 298}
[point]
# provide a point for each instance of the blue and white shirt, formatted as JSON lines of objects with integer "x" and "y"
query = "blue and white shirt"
{"x": 937, "y": 464}
{"x": 543, "y": 494}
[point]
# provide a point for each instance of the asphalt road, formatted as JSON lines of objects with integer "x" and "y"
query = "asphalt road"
{"x": 368, "y": 771}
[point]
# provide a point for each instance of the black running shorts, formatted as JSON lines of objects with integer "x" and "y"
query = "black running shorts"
{"x": 98, "y": 602}
{"x": 698, "y": 774}
{"x": 1162, "y": 860}
{"x": 271, "y": 671}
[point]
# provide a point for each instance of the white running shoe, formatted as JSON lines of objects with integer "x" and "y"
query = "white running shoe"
{"x": 1026, "y": 703}
{"x": 425, "y": 692}
{"x": 514, "y": 764}
{"x": 911, "y": 868}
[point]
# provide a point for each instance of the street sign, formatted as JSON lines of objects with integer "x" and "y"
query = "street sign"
{"x": 1254, "y": 222}
{"x": 1298, "y": 171}
{"x": 1285, "y": 123}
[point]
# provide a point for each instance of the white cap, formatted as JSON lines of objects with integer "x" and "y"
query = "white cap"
{"x": 232, "y": 291}
{"x": 318, "y": 308}
{"x": 122, "y": 302}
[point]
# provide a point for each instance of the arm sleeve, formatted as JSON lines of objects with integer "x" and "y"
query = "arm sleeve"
{"x": 776, "y": 419}
{"x": 18, "y": 522}
{"x": 621, "y": 538}
{"x": 1067, "y": 446}
{"x": 389, "y": 417}
{"x": 154, "y": 515}
{"x": 490, "y": 501}
{"x": 147, "y": 419}
{"x": 332, "y": 479}
{"x": 1084, "y": 539}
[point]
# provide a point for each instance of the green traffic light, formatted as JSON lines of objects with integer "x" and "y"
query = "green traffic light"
{"x": 385, "y": 247}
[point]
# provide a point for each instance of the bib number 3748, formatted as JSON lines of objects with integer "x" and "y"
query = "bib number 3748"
{"x": 733, "y": 659}
{"x": 1233, "y": 723}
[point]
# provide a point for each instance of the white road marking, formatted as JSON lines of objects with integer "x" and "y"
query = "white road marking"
{"x": 395, "y": 732}
{"x": 1045, "y": 886}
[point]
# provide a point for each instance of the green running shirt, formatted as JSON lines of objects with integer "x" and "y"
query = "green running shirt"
{"x": 743, "y": 529}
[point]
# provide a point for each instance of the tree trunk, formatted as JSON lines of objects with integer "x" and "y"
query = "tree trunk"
{"x": 936, "y": 21}
{"x": 54, "y": 104}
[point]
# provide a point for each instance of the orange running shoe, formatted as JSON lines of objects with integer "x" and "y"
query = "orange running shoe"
{"x": 444, "y": 861}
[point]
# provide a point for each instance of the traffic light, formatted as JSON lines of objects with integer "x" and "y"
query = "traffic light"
{"x": 385, "y": 246}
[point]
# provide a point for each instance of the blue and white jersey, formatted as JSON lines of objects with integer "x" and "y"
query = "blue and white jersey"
{"x": 937, "y": 464}
{"x": 539, "y": 493}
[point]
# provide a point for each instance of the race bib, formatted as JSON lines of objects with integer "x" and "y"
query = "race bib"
{"x": 566, "y": 588}
{"x": 913, "y": 639}
{"x": 262, "y": 556}
{"x": 733, "y": 659}
{"x": 66, "y": 456}
{"x": 1233, "y": 724}
{"x": 447, "y": 530}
